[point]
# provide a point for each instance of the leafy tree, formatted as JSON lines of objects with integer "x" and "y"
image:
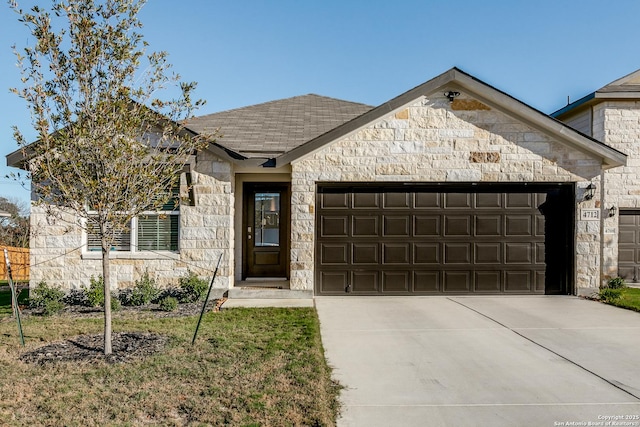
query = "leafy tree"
{"x": 109, "y": 147}
{"x": 14, "y": 229}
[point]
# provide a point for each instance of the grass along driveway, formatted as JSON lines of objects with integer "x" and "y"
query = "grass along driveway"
{"x": 248, "y": 367}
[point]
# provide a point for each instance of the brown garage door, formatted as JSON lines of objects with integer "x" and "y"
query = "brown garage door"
{"x": 390, "y": 240}
{"x": 629, "y": 245}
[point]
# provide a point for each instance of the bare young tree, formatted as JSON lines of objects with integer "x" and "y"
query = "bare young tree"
{"x": 108, "y": 146}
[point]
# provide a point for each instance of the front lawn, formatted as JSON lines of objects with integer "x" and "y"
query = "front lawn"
{"x": 248, "y": 367}
{"x": 5, "y": 301}
{"x": 629, "y": 299}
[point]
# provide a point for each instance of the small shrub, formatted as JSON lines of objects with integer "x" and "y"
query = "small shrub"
{"x": 193, "y": 288}
{"x": 52, "y": 307}
{"x": 616, "y": 283}
{"x": 168, "y": 304}
{"x": 610, "y": 294}
{"x": 115, "y": 303}
{"x": 144, "y": 291}
{"x": 76, "y": 297}
{"x": 95, "y": 294}
{"x": 49, "y": 298}
{"x": 95, "y": 291}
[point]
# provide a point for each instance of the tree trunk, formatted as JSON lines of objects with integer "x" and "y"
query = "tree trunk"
{"x": 107, "y": 297}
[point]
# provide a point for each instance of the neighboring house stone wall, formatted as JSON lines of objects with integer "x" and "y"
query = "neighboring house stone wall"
{"x": 433, "y": 140}
{"x": 206, "y": 231}
{"x": 617, "y": 124}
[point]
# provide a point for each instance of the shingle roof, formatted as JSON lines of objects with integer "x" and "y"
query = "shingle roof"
{"x": 273, "y": 128}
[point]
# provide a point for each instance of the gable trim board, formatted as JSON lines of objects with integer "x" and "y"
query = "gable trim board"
{"x": 492, "y": 144}
{"x": 458, "y": 79}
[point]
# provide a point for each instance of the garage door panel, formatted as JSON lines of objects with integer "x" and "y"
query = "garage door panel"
{"x": 488, "y": 200}
{"x": 457, "y": 225}
{"x": 334, "y": 226}
{"x": 539, "y": 280}
{"x": 426, "y": 226}
{"x": 518, "y": 225}
{"x": 518, "y": 253}
{"x": 396, "y": 200}
{"x": 365, "y": 226}
{"x": 420, "y": 241}
{"x": 488, "y": 281}
{"x": 426, "y": 281}
{"x": 627, "y": 236}
{"x": 365, "y": 281}
{"x": 396, "y": 281}
{"x": 540, "y": 253}
{"x": 334, "y": 253}
{"x": 457, "y": 200}
{"x": 427, "y": 201}
{"x": 365, "y": 253}
{"x": 334, "y": 281}
{"x": 397, "y": 226}
{"x": 488, "y": 225}
{"x": 426, "y": 253}
{"x": 488, "y": 253}
{"x": 519, "y": 200}
{"x": 457, "y": 253}
{"x": 517, "y": 281}
{"x": 395, "y": 253}
{"x": 334, "y": 201}
{"x": 366, "y": 200}
{"x": 457, "y": 281}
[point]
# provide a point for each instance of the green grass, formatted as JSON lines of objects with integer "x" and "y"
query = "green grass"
{"x": 629, "y": 299}
{"x": 5, "y": 301}
{"x": 248, "y": 367}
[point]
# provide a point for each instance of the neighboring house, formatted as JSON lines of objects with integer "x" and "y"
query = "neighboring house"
{"x": 452, "y": 187}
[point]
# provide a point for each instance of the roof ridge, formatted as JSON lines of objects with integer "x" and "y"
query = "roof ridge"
{"x": 262, "y": 104}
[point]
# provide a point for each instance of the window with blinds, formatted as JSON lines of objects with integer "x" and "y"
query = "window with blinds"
{"x": 150, "y": 231}
{"x": 121, "y": 243}
{"x": 158, "y": 232}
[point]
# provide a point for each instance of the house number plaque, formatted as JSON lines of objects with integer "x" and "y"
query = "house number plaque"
{"x": 590, "y": 214}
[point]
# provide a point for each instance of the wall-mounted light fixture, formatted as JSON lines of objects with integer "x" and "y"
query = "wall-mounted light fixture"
{"x": 612, "y": 211}
{"x": 451, "y": 95}
{"x": 589, "y": 191}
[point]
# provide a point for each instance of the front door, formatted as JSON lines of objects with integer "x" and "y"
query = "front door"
{"x": 266, "y": 230}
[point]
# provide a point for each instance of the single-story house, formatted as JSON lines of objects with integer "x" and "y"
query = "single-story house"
{"x": 453, "y": 187}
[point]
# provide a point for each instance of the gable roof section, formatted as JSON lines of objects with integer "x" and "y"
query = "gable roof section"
{"x": 270, "y": 129}
{"x": 459, "y": 80}
{"x": 627, "y": 87}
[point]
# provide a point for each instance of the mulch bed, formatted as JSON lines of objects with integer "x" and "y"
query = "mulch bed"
{"x": 126, "y": 346}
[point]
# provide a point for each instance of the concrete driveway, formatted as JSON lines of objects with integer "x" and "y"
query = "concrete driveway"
{"x": 482, "y": 361}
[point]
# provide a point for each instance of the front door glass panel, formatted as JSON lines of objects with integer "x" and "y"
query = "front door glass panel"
{"x": 267, "y": 219}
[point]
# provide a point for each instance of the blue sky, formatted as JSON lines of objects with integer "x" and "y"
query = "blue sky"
{"x": 246, "y": 52}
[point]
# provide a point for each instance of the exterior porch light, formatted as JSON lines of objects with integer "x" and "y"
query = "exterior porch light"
{"x": 589, "y": 191}
{"x": 612, "y": 211}
{"x": 451, "y": 95}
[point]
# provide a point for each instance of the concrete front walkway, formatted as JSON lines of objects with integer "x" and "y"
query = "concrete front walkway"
{"x": 482, "y": 361}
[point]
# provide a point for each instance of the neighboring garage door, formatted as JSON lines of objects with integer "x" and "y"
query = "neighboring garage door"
{"x": 629, "y": 245}
{"x": 421, "y": 240}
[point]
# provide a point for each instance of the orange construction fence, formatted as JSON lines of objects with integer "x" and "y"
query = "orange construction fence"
{"x": 19, "y": 259}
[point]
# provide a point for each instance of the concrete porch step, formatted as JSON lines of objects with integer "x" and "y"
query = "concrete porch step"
{"x": 247, "y": 292}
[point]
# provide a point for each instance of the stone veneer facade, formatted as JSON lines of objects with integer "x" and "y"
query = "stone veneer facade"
{"x": 433, "y": 140}
{"x": 206, "y": 231}
{"x": 617, "y": 124}
{"x": 430, "y": 140}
